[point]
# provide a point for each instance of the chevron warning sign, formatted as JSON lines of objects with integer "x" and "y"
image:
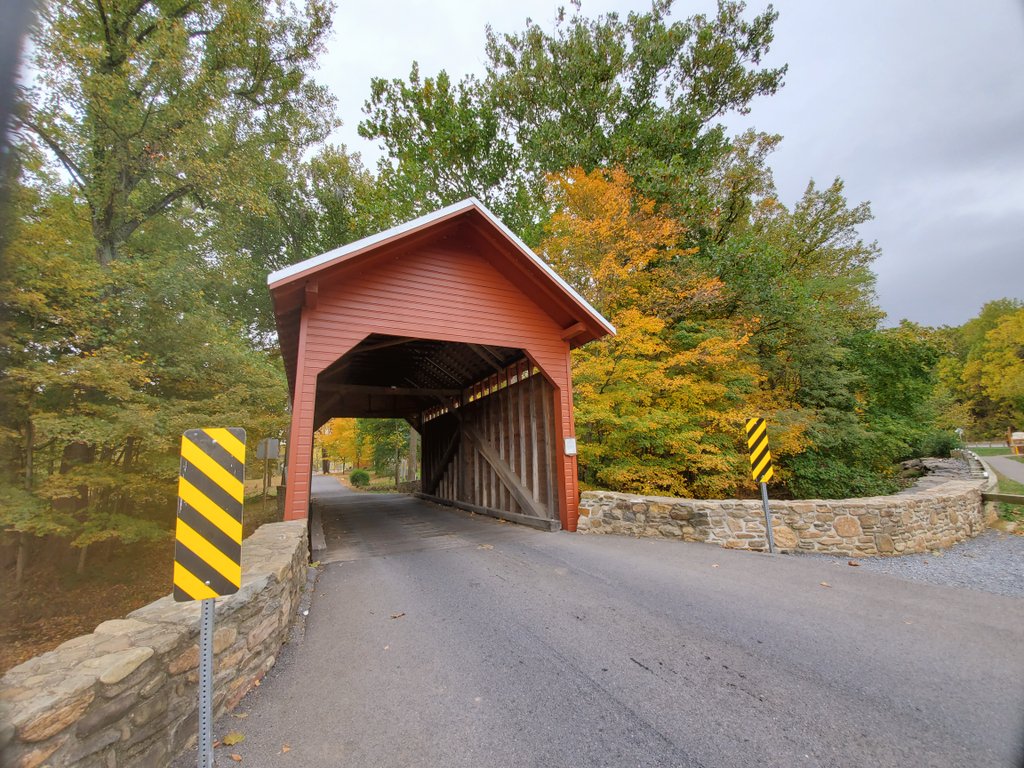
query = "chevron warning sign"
{"x": 760, "y": 456}
{"x": 208, "y": 537}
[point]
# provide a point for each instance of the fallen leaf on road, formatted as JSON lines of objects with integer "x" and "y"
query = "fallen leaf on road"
{"x": 486, "y": 546}
{"x": 235, "y": 737}
{"x": 387, "y": 647}
{"x": 854, "y": 563}
{"x": 714, "y": 565}
{"x": 826, "y": 584}
{"x": 285, "y": 748}
{"x": 397, "y": 615}
{"x": 236, "y": 757}
{"x": 240, "y": 715}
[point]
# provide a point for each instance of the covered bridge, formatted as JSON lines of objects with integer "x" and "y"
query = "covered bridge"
{"x": 451, "y": 322}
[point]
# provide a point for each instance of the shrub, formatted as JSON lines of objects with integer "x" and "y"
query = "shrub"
{"x": 360, "y": 478}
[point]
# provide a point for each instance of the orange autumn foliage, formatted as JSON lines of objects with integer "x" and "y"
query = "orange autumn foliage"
{"x": 660, "y": 406}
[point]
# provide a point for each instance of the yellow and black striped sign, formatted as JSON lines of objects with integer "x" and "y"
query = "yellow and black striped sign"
{"x": 208, "y": 538}
{"x": 760, "y": 456}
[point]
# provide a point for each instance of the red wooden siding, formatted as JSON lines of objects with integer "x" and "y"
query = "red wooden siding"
{"x": 448, "y": 293}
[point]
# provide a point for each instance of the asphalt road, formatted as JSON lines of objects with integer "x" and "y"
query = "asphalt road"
{"x": 439, "y": 638}
{"x": 1007, "y": 466}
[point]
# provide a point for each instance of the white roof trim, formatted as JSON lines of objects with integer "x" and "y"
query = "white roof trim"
{"x": 470, "y": 202}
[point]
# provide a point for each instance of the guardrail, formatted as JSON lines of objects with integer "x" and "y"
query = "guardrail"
{"x": 1003, "y": 498}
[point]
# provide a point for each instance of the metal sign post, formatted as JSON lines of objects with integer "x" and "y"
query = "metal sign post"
{"x": 206, "y": 684}
{"x": 208, "y": 544}
{"x": 767, "y": 517}
{"x": 761, "y": 469}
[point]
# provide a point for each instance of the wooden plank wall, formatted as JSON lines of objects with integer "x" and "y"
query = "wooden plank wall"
{"x": 512, "y": 412}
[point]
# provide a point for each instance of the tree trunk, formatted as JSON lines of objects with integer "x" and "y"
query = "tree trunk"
{"x": 19, "y": 568}
{"x": 410, "y": 473}
{"x": 81, "y": 560}
{"x": 30, "y": 439}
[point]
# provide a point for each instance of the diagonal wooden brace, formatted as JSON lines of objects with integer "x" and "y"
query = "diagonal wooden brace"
{"x": 509, "y": 479}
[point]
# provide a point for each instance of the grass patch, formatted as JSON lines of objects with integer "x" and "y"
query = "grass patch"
{"x": 1013, "y": 513}
{"x": 378, "y": 483}
{"x": 994, "y": 451}
{"x": 257, "y": 513}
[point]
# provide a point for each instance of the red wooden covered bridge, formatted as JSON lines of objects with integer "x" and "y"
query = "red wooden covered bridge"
{"x": 451, "y": 322}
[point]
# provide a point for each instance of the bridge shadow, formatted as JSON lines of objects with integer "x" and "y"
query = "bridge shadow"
{"x": 359, "y": 525}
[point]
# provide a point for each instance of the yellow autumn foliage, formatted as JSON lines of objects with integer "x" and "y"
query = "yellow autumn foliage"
{"x": 660, "y": 406}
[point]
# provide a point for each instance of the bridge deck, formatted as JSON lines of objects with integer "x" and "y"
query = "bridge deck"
{"x": 358, "y": 525}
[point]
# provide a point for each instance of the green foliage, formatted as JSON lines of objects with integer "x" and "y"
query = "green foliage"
{"x": 151, "y": 107}
{"x": 981, "y": 376}
{"x": 592, "y": 93}
{"x": 124, "y": 305}
{"x": 385, "y": 441}
{"x": 360, "y": 478}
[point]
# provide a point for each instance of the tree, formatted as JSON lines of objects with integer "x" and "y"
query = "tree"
{"x": 600, "y": 92}
{"x": 171, "y": 124}
{"x": 977, "y": 373}
{"x": 151, "y": 105}
{"x": 443, "y": 143}
{"x": 340, "y": 441}
{"x": 643, "y": 93}
{"x": 386, "y": 441}
{"x": 660, "y": 406}
{"x": 996, "y": 368}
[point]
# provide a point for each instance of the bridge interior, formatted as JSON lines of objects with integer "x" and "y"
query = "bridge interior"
{"x": 484, "y": 413}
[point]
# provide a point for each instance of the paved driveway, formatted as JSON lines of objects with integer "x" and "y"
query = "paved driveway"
{"x": 1007, "y": 466}
{"x": 438, "y": 638}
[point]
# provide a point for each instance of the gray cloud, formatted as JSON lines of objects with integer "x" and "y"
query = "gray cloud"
{"x": 919, "y": 107}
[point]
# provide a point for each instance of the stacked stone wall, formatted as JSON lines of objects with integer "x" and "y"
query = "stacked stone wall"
{"x": 924, "y": 520}
{"x": 127, "y": 694}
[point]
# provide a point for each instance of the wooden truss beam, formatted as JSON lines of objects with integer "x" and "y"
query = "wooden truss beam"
{"x": 367, "y": 389}
{"x": 508, "y": 478}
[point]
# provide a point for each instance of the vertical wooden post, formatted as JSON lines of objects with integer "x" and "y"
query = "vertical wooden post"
{"x": 505, "y": 501}
{"x": 520, "y": 391}
{"x": 300, "y": 443}
{"x": 534, "y": 446}
{"x": 548, "y": 392}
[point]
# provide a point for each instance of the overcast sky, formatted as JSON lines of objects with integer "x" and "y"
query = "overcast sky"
{"x": 917, "y": 105}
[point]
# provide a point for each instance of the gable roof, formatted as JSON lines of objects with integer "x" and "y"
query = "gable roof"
{"x": 304, "y": 270}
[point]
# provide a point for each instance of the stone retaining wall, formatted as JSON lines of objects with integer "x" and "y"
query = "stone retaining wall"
{"x": 126, "y": 695}
{"x": 882, "y": 525}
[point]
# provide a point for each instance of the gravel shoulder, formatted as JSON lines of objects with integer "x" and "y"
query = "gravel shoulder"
{"x": 991, "y": 562}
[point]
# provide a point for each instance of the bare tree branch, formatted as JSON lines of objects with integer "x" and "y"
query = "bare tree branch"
{"x": 125, "y": 230}
{"x": 72, "y": 168}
